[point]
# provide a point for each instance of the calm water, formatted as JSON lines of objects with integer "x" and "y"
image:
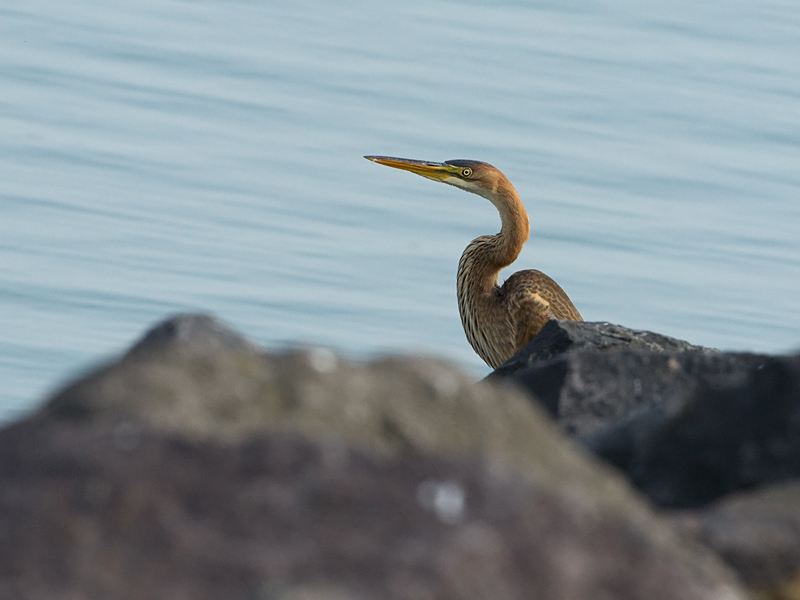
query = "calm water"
{"x": 168, "y": 156}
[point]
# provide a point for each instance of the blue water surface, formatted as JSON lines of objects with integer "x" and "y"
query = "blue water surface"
{"x": 172, "y": 156}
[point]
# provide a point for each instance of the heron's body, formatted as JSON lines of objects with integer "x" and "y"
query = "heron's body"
{"x": 498, "y": 319}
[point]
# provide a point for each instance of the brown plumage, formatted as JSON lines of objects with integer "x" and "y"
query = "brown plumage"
{"x": 498, "y": 319}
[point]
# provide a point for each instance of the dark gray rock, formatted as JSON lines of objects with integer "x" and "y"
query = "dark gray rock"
{"x": 757, "y": 534}
{"x": 688, "y": 426}
{"x": 726, "y": 436}
{"x": 590, "y": 375}
{"x": 197, "y": 466}
{"x": 558, "y": 337}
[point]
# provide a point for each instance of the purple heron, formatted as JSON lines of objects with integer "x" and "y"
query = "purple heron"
{"x": 498, "y": 319}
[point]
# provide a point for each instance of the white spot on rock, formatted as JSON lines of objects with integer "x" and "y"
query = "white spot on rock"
{"x": 447, "y": 499}
{"x": 322, "y": 360}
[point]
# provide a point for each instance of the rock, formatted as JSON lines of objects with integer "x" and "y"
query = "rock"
{"x": 197, "y": 466}
{"x": 192, "y": 331}
{"x": 182, "y": 380}
{"x": 757, "y": 534}
{"x": 88, "y": 512}
{"x": 728, "y": 435}
{"x": 688, "y": 426}
{"x": 590, "y": 375}
{"x": 558, "y": 337}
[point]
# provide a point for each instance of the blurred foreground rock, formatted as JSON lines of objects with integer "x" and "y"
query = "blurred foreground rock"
{"x": 198, "y": 467}
{"x": 758, "y": 533}
{"x": 101, "y": 513}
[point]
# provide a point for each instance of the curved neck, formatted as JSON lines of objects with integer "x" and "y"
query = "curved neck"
{"x": 515, "y": 227}
{"x": 486, "y": 256}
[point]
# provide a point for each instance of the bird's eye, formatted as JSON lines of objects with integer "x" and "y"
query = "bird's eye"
{"x": 466, "y": 172}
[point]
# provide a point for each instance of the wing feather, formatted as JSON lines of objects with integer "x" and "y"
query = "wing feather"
{"x": 533, "y": 298}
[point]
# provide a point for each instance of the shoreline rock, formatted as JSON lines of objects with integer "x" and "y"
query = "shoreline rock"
{"x": 686, "y": 424}
{"x": 199, "y": 466}
{"x": 725, "y": 436}
{"x": 93, "y": 512}
{"x": 591, "y": 375}
{"x": 710, "y": 432}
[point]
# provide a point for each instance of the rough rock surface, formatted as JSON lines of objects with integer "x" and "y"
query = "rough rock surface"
{"x": 558, "y": 337}
{"x": 198, "y": 467}
{"x": 731, "y": 435}
{"x": 589, "y": 375}
{"x": 688, "y": 426}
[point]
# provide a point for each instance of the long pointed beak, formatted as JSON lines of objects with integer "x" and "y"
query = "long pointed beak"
{"x": 431, "y": 170}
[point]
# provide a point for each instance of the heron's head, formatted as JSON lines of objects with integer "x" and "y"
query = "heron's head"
{"x": 471, "y": 175}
